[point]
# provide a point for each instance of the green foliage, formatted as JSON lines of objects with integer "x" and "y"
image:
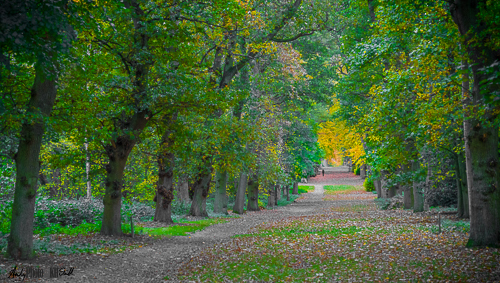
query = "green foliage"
{"x": 5, "y": 217}
{"x": 369, "y": 186}
{"x": 7, "y": 177}
{"x": 358, "y": 171}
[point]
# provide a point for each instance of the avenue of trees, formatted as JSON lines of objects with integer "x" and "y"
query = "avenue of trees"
{"x": 416, "y": 100}
{"x": 129, "y": 100}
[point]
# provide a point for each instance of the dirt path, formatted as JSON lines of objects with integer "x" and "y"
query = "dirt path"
{"x": 161, "y": 259}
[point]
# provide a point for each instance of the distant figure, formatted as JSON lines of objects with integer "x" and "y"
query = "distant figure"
{"x": 323, "y": 172}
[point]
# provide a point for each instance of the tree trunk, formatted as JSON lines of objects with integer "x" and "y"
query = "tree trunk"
{"x": 239, "y": 202}
{"x": 481, "y": 140}
{"x": 383, "y": 186}
{"x": 463, "y": 186}
{"x": 287, "y": 193}
{"x": 270, "y": 199}
{"x": 220, "y": 192}
{"x": 407, "y": 187}
{"x": 418, "y": 191}
{"x": 276, "y": 195}
{"x": 165, "y": 187}
{"x": 111, "y": 218}
{"x": 362, "y": 172}
{"x": 43, "y": 94}
{"x": 378, "y": 187}
{"x": 428, "y": 185}
{"x": 87, "y": 169}
{"x": 295, "y": 188}
{"x": 200, "y": 188}
{"x": 391, "y": 192}
{"x": 183, "y": 191}
{"x": 253, "y": 194}
{"x": 278, "y": 192}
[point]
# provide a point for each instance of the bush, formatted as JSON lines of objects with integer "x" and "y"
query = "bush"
{"x": 66, "y": 212}
{"x": 5, "y": 216}
{"x": 358, "y": 171}
{"x": 369, "y": 186}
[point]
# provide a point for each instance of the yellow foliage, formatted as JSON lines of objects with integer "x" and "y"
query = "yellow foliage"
{"x": 339, "y": 140}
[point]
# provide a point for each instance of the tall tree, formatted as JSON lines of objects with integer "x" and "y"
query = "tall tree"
{"x": 480, "y": 133}
{"x": 42, "y": 44}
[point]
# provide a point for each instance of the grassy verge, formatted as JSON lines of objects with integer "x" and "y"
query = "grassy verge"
{"x": 81, "y": 241}
{"x": 341, "y": 189}
{"x": 306, "y": 189}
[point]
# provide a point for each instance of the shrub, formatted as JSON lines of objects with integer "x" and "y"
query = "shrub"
{"x": 369, "y": 186}
{"x": 358, "y": 171}
{"x": 5, "y": 216}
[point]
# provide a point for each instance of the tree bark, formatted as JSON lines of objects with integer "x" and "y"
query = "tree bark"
{"x": 407, "y": 187}
{"x": 378, "y": 187}
{"x": 200, "y": 188}
{"x": 278, "y": 192}
{"x": 165, "y": 187}
{"x": 43, "y": 94}
{"x": 276, "y": 195}
{"x": 463, "y": 186}
{"x": 418, "y": 191}
{"x": 220, "y": 192}
{"x": 253, "y": 194}
{"x": 287, "y": 193}
{"x": 183, "y": 191}
{"x": 270, "y": 199}
{"x": 295, "y": 188}
{"x": 362, "y": 172}
{"x": 87, "y": 169}
{"x": 239, "y": 202}
{"x": 428, "y": 185}
{"x": 481, "y": 139}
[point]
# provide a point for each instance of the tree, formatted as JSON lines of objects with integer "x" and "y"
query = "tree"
{"x": 480, "y": 132}
{"x": 42, "y": 44}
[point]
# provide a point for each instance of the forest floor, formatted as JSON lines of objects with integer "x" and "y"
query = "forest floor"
{"x": 334, "y": 234}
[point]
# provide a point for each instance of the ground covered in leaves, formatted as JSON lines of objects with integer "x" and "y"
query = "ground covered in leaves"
{"x": 335, "y": 233}
{"x": 350, "y": 241}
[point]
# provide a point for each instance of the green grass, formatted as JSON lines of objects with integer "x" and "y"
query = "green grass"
{"x": 179, "y": 230}
{"x": 44, "y": 245}
{"x": 340, "y": 188}
{"x": 305, "y": 189}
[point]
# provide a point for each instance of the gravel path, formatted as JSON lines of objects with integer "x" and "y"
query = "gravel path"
{"x": 161, "y": 259}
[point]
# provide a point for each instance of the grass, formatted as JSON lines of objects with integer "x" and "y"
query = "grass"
{"x": 44, "y": 245}
{"x": 180, "y": 230}
{"x": 305, "y": 189}
{"x": 341, "y": 189}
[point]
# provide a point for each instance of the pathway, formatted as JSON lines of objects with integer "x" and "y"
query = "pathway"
{"x": 163, "y": 258}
